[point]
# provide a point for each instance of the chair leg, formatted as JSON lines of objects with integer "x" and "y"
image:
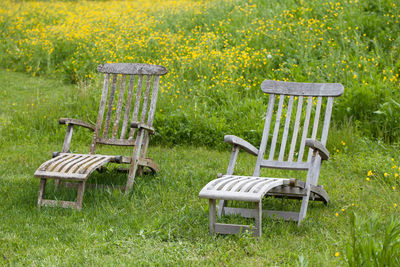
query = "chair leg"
{"x": 304, "y": 205}
{"x": 135, "y": 161}
{"x": 258, "y": 219}
{"x": 212, "y": 210}
{"x": 79, "y": 198}
{"x": 42, "y": 188}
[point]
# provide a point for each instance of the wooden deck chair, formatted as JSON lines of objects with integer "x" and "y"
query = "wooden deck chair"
{"x": 125, "y": 118}
{"x": 307, "y": 101}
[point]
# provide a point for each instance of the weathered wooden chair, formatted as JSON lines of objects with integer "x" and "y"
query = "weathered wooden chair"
{"x": 318, "y": 97}
{"x": 123, "y": 126}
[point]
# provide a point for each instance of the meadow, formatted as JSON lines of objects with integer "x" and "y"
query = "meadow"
{"x": 217, "y": 54}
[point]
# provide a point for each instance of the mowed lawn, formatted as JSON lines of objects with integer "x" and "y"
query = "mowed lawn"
{"x": 162, "y": 221}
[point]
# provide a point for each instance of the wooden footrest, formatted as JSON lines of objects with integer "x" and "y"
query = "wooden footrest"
{"x": 241, "y": 188}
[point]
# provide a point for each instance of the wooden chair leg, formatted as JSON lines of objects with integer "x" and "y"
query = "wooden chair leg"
{"x": 79, "y": 198}
{"x": 304, "y": 205}
{"x": 258, "y": 219}
{"x": 57, "y": 183}
{"x": 211, "y": 211}
{"x": 42, "y": 188}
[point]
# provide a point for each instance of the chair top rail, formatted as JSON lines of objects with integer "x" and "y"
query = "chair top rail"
{"x": 132, "y": 69}
{"x": 302, "y": 89}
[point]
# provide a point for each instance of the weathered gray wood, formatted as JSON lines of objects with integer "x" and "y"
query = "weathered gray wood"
{"x": 132, "y": 68}
{"x": 285, "y": 165}
{"x": 316, "y": 123}
{"x": 211, "y": 211}
{"x": 116, "y": 142}
{"x": 258, "y": 218}
{"x": 100, "y": 114}
{"x": 254, "y": 188}
{"x": 286, "y": 129}
{"x": 137, "y": 104}
{"x": 264, "y": 139}
{"x": 251, "y": 213}
{"x": 110, "y": 106}
{"x": 128, "y": 107}
{"x": 66, "y": 167}
{"x": 140, "y": 125}
{"x": 71, "y": 121}
{"x": 302, "y": 89}
{"x": 121, "y": 95}
{"x": 327, "y": 120}
{"x": 68, "y": 137}
{"x": 276, "y": 129}
{"x": 231, "y": 228}
{"x": 59, "y": 203}
{"x": 316, "y": 145}
{"x": 305, "y": 129}
{"x": 296, "y": 128}
{"x": 246, "y": 146}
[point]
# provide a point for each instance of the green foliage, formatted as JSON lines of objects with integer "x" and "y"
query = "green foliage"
{"x": 218, "y": 53}
{"x": 374, "y": 242}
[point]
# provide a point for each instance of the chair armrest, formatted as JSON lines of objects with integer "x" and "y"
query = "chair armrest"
{"x": 320, "y": 148}
{"x": 237, "y": 141}
{"x": 76, "y": 122}
{"x": 140, "y": 125}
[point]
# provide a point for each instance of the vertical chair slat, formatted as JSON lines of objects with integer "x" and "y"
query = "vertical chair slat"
{"x": 286, "y": 129}
{"x": 264, "y": 139}
{"x": 110, "y": 106}
{"x": 128, "y": 106}
{"x": 100, "y": 116}
{"x": 154, "y": 95}
{"x": 146, "y": 99}
{"x": 152, "y": 111}
{"x": 276, "y": 129}
{"x": 327, "y": 120}
{"x": 119, "y": 106}
{"x": 316, "y": 123}
{"x": 305, "y": 129}
{"x": 137, "y": 104}
{"x": 296, "y": 128}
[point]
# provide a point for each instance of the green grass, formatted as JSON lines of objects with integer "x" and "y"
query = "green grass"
{"x": 162, "y": 221}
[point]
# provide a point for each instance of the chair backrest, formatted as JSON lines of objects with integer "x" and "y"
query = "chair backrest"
{"x": 129, "y": 95}
{"x": 298, "y": 106}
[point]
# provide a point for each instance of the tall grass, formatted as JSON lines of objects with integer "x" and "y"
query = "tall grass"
{"x": 218, "y": 53}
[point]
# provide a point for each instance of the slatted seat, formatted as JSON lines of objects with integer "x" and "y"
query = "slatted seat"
{"x": 243, "y": 188}
{"x": 307, "y": 101}
{"x": 125, "y": 118}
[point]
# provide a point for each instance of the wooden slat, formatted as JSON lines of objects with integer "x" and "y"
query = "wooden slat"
{"x": 116, "y": 142}
{"x": 276, "y": 129}
{"x": 153, "y": 103}
{"x": 44, "y": 165}
{"x": 296, "y": 128}
{"x": 304, "y": 89}
{"x": 132, "y": 69}
{"x": 285, "y": 165}
{"x": 110, "y": 106}
{"x": 264, "y": 139}
{"x": 66, "y": 163}
{"x": 305, "y": 129}
{"x": 59, "y": 203}
{"x": 251, "y": 213}
{"x": 137, "y": 104}
{"x": 286, "y": 129}
{"x": 230, "y": 228}
{"x": 57, "y": 162}
{"x": 146, "y": 99}
{"x": 100, "y": 115}
{"x": 121, "y": 95}
{"x": 327, "y": 120}
{"x": 126, "y": 122}
{"x": 75, "y": 167}
{"x": 91, "y": 166}
{"x": 316, "y": 123}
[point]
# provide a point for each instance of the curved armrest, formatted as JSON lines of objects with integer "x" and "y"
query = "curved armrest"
{"x": 140, "y": 125}
{"x": 320, "y": 148}
{"x": 237, "y": 141}
{"x": 76, "y": 122}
